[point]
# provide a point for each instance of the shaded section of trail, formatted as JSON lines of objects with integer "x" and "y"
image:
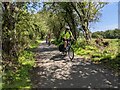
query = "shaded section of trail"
{"x": 56, "y": 71}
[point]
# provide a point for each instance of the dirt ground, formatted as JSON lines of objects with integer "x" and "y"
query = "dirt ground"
{"x": 53, "y": 70}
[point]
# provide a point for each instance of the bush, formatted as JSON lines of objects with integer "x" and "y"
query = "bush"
{"x": 95, "y": 59}
{"x": 96, "y": 55}
{"x": 57, "y": 42}
{"x": 80, "y": 43}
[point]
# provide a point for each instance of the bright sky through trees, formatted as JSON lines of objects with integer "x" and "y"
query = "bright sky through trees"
{"x": 109, "y": 18}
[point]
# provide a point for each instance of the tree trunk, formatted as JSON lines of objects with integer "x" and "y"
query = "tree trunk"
{"x": 71, "y": 22}
{"x": 42, "y": 36}
{"x": 86, "y": 33}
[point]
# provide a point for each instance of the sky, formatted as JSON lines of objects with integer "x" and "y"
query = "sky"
{"x": 109, "y": 18}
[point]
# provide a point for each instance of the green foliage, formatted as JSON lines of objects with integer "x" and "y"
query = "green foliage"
{"x": 109, "y": 34}
{"x": 74, "y": 14}
{"x": 21, "y": 30}
{"x": 26, "y": 58}
{"x": 35, "y": 44}
{"x": 20, "y": 77}
{"x": 80, "y": 44}
{"x": 57, "y": 42}
{"x": 108, "y": 55}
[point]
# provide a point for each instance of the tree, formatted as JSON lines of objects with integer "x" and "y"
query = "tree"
{"x": 19, "y": 30}
{"x": 77, "y": 14}
{"x": 88, "y": 12}
{"x": 110, "y": 34}
{"x": 66, "y": 14}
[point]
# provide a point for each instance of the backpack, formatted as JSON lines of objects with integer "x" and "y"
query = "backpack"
{"x": 61, "y": 48}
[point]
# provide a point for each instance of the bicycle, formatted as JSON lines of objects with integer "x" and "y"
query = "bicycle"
{"x": 48, "y": 42}
{"x": 68, "y": 51}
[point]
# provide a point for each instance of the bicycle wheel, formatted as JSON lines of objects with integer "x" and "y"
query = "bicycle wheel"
{"x": 71, "y": 53}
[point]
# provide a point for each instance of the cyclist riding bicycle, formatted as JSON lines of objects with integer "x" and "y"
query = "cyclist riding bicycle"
{"x": 48, "y": 38}
{"x": 67, "y": 36}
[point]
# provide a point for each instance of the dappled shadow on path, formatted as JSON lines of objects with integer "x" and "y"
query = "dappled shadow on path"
{"x": 42, "y": 49}
{"x": 56, "y": 71}
{"x": 46, "y": 49}
{"x": 58, "y": 57}
{"x": 56, "y": 74}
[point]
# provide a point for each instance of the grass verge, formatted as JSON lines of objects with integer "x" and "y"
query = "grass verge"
{"x": 18, "y": 77}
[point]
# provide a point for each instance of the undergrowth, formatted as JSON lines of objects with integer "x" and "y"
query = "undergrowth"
{"x": 108, "y": 55}
{"x": 17, "y": 75}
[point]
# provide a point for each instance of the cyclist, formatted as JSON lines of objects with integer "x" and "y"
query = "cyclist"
{"x": 46, "y": 39}
{"x": 67, "y": 36}
{"x": 49, "y": 39}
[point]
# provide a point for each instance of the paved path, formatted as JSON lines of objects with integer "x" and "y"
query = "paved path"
{"x": 56, "y": 71}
